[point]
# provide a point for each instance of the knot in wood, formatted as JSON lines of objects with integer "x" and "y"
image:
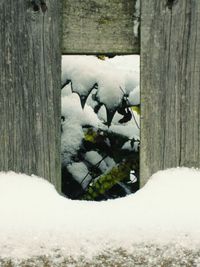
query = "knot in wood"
{"x": 39, "y": 4}
{"x": 170, "y": 3}
{"x": 35, "y": 5}
{"x": 43, "y": 6}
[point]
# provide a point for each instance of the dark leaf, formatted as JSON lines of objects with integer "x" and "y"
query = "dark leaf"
{"x": 127, "y": 116}
{"x": 110, "y": 114}
{"x": 83, "y": 100}
{"x": 65, "y": 83}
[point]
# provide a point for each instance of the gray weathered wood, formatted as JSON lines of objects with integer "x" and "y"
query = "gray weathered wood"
{"x": 30, "y": 89}
{"x": 170, "y": 85}
{"x": 100, "y": 26}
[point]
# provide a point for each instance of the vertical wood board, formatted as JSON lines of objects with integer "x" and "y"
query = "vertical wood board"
{"x": 30, "y": 89}
{"x": 100, "y": 27}
{"x": 170, "y": 85}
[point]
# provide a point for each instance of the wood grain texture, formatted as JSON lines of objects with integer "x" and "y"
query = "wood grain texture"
{"x": 100, "y": 27}
{"x": 30, "y": 89}
{"x": 170, "y": 85}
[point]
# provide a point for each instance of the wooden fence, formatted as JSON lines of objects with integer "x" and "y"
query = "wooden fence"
{"x": 30, "y": 88}
{"x": 170, "y": 85}
{"x": 169, "y": 44}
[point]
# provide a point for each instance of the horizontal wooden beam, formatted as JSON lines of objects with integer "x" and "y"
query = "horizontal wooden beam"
{"x": 100, "y": 27}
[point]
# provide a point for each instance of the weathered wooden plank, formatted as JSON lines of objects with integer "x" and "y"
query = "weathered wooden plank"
{"x": 30, "y": 88}
{"x": 170, "y": 85}
{"x": 100, "y": 27}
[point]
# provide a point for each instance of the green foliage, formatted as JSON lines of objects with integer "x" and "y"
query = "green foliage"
{"x": 106, "y": 181}
{"x": 108, "y": 184}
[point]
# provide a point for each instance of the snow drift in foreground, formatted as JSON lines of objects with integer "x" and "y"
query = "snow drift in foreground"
{"x": 35, "y": 220}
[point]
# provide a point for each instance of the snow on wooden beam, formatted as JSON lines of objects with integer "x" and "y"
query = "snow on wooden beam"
{"x": 170, "y": 85}
{"x": 100, "y": 27}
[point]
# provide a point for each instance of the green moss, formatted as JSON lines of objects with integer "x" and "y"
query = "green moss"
{"x": 104, "y": 20}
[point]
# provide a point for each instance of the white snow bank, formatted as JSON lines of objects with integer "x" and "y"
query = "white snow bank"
{"x": 35, "y": 220}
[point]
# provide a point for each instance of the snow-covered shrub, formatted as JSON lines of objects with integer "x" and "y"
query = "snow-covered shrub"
{"x": 100, "y": 126}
